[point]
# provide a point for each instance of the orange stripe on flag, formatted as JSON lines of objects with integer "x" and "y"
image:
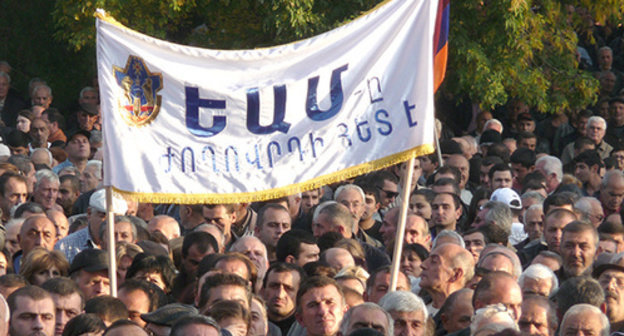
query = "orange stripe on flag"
{"x": 439, "y": 67}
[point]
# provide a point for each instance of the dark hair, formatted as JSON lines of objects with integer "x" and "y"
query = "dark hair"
{"x": 55, "y": 116}
{"x": 491, "y": 160}
{"x": 33, "y": 292}
{"x": 582, "y": 289}
{"x": 318, "y": 268}
{"x": 84, "y": 323}
{"x": 202, "y": 240}
{"x": 158, "y": 264}
{"x": 525, "y": 135}
{"x": 283, "y": 267}
{"x": 316, "y": 282}
{"x": 452, "y": 170}
{"x": 500, "y": 150}
{"x": 121, "y": 323}
{"x": 62, "y": 286}
{"x": 558, "y": 200}
{"x": 144, "y": 286}
{"x": 108, "y": 308}
{"x": 456, "y": 200}
{"x": 6, "y": 177}
{"x": 221, "y": 279}
{"x": 611, "y": 228}
{"x": 328, "y": 240}
{"x": 582, "y": 142}
{"x": 590, "y": 158}
{"x": 290, "y": 243}
{"x": 31, "y": 207}
{"x": 480, "y": 194}
{"x": 524, "y": 157}
{"x": 178, "y": 327}
{"x": 499, "y": 167}
{"x": 493, "y": 233}
{"x": 13, "y": 280}
{"x": 267, "y": 207}
{"x": 380, "y": 176}
{"x": 447, "y": 181}
{"x": 483, "y": 291}
{"x": 230, "y": 309}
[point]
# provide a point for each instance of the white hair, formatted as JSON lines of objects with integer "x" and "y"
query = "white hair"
{"x": 583, "y": 307}
{"x": 539, "y": 272}
{"x": 86, "y": 89}
{"x": 50, "y": 157}
{"x": 533, "y": 207}
{"x": 349, "y": 187}
{"x": 485, "y": 317}
{"x": 98, "y": 167}
{"x": 43, "y": 86}
{"x": 551, "y": 165}
{"x": 596, "y": 119}
{"x": 5, "y": 75}
{"x": 403, "y": 302}
{"x": 495, "y": 122}
{"x": 320, "y": 207}
{"x": 46, "y": 174}
{"x": 449, "y": 233}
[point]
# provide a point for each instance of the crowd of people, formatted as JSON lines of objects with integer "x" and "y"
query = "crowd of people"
{"x": 513, "y": 228}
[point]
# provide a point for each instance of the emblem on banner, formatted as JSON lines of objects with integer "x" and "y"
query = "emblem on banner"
{"x": 140, "y": 103}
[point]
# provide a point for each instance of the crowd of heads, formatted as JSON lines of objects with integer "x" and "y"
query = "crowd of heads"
{"x": 512, "y": 227}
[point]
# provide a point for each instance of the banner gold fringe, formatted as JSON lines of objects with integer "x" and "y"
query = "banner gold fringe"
{"x": 282, "y": 191}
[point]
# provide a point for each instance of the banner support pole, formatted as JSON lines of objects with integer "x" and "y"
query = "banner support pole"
{"x": 400, "y": 231}
{"x": 437, "y": 143}
{"x": 110, "y": 231}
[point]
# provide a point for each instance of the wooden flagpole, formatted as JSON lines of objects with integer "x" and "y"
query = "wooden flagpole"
{"x": 400, "y": 231}
{"x": 112, "y": 255}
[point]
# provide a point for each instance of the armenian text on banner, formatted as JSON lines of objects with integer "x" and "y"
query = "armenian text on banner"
{"x": 189, "y": 125}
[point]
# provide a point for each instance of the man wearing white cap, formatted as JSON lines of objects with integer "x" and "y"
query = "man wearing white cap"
{"x": 89, "y": 236}
{"x": 511, "y": 199}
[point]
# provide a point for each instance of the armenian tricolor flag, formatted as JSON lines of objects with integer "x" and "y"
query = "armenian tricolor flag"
{"x": 440, "y": 40}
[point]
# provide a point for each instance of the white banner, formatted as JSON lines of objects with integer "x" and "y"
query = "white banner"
{"x": 190, "y": 125}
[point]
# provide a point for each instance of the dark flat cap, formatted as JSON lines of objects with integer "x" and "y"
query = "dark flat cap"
{"x": 90, "y": 260}
{"x": 168, "y": 314}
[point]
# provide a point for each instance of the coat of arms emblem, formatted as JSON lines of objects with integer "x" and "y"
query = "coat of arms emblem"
{"x": 139, "y": 104}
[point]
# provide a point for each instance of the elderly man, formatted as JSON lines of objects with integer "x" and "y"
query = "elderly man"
{"x": 590, "y": 209}
{"x": 46, "y": 189}
{"x": 456, "y": 312}
{"x": 367, "y": 315}
{"x": 164, "y": 224}
{"x": 538, "y": 280}
{"x": 335, "y": 217}
{"x": 499, "y": 287}
{"x": 273, "y": 221}
{"x": 461, "y": 163}
{"x": 586, "y": 319}
{"x": 256, "y": 251}
{"x": 89, "y": 270}
{"x": 42, "y": 96}
{"x": 32, "y": 312}
{"x": 123, "y": 230}
{"x": 89, "y": 237}
{"x": 354, "y": 199}
{"x": 539, "y": 316}
{"x": 447, "y": 269}
{"x": 596, "y": 130}
{"x": 552, "y": 169}
{"x": 91, "y": 176}
{"x": 378, "y": 284}
{"x": 579, "y": 243}
{"x": 37, "y": 231}
{"x": 612, "y": 192}
{"x": 416, "y": 229}
{"x": 408, "y": 312}
{"x": 320, "y": 306}
{"x": 611, "y": 279}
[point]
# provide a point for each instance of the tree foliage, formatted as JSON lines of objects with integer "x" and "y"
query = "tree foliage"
{"x": 497, "y": 49}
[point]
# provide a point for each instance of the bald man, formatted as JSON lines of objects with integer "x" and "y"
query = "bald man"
{"x": 166, "y": 225}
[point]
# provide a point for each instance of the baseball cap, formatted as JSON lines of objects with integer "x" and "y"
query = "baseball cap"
{"x": 79, "y": 132}
{"x": 507, "y": 196}
{"x": 90, "y": 260}
{"x": 97, "y": 201}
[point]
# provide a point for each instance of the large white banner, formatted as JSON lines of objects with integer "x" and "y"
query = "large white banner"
{"x": 190, "y": 125}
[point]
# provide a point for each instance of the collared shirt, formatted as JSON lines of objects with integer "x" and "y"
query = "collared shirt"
{"x": 62, "y": 165}
{"x": 75, "y": 243}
